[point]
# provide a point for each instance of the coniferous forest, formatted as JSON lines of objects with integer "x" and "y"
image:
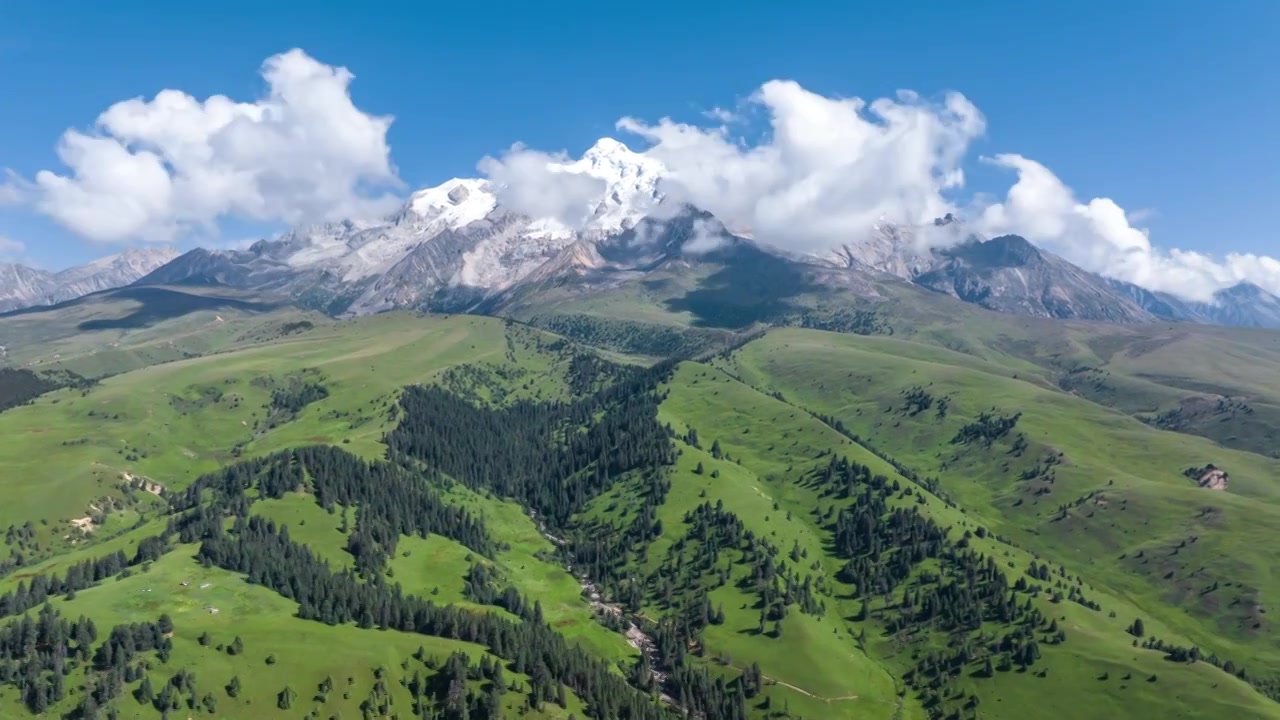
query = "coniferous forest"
{"x": 710, "y": 577}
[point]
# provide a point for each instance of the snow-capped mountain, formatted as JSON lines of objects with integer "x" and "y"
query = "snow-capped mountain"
{"x": 464, "y": 245}
{"x": 448, "y": 244}
{"x": 22, "y": 286}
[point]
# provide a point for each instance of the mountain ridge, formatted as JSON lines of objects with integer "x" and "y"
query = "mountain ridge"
{"x": 22, "y": 286}
{"x": 465, "y": 245}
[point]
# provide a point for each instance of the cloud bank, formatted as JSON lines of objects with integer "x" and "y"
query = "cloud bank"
{"x": 153, "y": 170}
{"x": 825, "y": 171}
{"x": 829, "y": 169}
{"x": 832, "y": 167}
{"x": 535, "y": 183}
{"x": 1099, "y": 235}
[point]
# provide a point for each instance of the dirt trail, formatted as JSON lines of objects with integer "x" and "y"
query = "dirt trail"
{"x": 774, "y": 681}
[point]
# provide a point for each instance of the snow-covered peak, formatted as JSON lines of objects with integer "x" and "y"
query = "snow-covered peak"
{"x": 631, "y": 181}
{"x": 607, "y": 147}
{"x": 614, "y": 162}
{"x": 455, "y": 203}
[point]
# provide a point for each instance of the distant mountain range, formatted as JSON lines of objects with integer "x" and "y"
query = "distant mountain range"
{"x": 456, "y": 247}
{"x": 1010, "y": 274}
{"x": 22, "y": 286}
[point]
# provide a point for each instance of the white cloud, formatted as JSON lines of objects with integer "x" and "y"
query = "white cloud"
{"x": 154, "y": 169}
{"x": 11, "y": 249}
{"x": 830, "y": 168}
{"x": 534, "y": 183}
{"x": 11, "y": 190}
{"x": 1100, "y": 236}
{"x": 721, "y": 115}
{"x": 708, "y": 236}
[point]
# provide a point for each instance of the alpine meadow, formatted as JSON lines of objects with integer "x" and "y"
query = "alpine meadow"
{"x": 763, "y": 416}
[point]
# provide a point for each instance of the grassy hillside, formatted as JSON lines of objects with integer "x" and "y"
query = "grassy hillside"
{"x": 1084, "y": 486}
{"x": 899, "y": 521}
{"x": 72, "y": 454}
{"x": 128, "y": 328}
{"x": 1203, "y": 380}
{"x": 772, "y": 445}
{"x": 113, "y": 450}
{"x": 210, "y": 608}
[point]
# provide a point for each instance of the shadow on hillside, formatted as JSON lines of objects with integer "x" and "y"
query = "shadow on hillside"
{"x": 751, "y": 286}
{"x": 156, "y": 304}
{"x": 160, "y": 304}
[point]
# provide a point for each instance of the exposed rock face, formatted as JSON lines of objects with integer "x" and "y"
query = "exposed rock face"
{"x": 450, "y": 246}
{"x": 461, "y": 246}
{"x": 1006, "y": 273}
{"x": 1209, "y": 477}
{"x": 22, "y": 286}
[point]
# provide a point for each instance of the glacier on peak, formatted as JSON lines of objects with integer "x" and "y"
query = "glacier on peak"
{"x": 457, "y": 202}
{"x": 507, "y": 245}
{"x": 631, "y": 184}
{"x": 457, "y": 239}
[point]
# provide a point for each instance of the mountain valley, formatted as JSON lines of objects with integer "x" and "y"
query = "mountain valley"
{"x": 801, "y": 491}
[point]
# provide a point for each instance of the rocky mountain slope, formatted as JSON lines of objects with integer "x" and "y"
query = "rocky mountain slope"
{"x": 448, "y": 246}
{"x": 22, "y": 286}
{"x": 461, "y": 246}
{"x": 1010, "y": 274}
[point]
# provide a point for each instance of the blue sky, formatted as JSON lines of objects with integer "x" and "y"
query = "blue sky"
{"x": 1161, "y": 106}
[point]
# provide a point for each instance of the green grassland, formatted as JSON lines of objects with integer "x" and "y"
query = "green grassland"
{"x": 279, "y": 650}
{"x": 120, "y": 330}
{"x": 180, "y": 419}
{"x": 171, "y": 422}
{"x": 1135, "y": 524}
{"x": 1170, "y": 374}
{"x": 1090, "y": 479}
{"x": 771, "y": 443}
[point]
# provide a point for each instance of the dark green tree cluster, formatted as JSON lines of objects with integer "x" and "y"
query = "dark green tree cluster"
{"x": 266, "y": 555}
{"x": 77, "y": 577}
{"x": 704, "y": 558}
{"x": 1268, "y": 686}
{"x": 295, "y": 396}
{"x": 24, "y": 544}
{"x": 19, "y": 386}
{"x": 37, "y": 655}
{"x": 607, "y": 551}
{"x": 635, "y": 338}
{"x": 916, "y": 400}
{"x": 391, "y": 499}
{"x": 855, "y": 322}
{"x": 554, "y": 457}
{"x": 450, "y": 693}
{"x": 964, "y": 594}
{"x": 987, "y": 429}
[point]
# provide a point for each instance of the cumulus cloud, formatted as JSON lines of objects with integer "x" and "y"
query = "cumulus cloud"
{"x": 829, "y": 169}
{"x": 151, "y": 170}
{"x": 536, "y": 184}
{"x": 1100, "y": 236}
